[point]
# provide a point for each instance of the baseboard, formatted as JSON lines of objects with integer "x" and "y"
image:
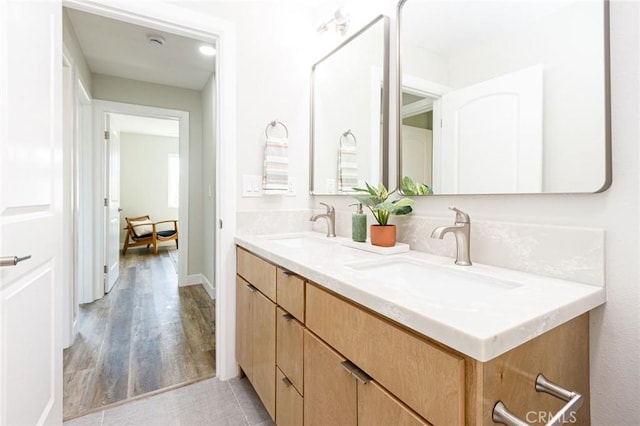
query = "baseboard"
{"x": 196, "y": 279}
{"x": 209, "y": 288}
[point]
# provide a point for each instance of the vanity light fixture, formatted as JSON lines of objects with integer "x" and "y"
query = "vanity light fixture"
{"x": 207, "y": 50}
{"x": 340, "y": 20}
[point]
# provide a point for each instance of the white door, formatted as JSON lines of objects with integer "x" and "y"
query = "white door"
{"x": 31, "y": 212}
{"x": 417, "y": 149}
{"x": 112, "y": 248}
{"x": 492, "y": 136}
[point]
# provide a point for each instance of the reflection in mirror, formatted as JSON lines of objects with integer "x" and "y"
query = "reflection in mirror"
{"x": 349, "y": 113}
{"x": 503, "y": 97}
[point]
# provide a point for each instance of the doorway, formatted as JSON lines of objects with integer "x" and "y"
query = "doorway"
{"x": 189, "y": 273}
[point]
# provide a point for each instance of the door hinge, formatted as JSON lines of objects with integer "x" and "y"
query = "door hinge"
{"x": 106, "y": 202}
{"x": 441, "y": 123}
{"x": 220, "y": 223}
{"x": 106, "y": 134}
{"x": 106, "y": 269}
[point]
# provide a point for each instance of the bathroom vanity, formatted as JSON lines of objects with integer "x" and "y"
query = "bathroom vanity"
{"x": 333, "y": 335}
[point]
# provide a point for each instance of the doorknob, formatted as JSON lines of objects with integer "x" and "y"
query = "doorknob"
{"x": 12, "y": 260}
{"x": 119, "y": 209}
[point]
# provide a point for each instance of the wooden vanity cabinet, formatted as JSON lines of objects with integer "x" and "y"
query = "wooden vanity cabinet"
{"x": 317, "y": 358}
{"x": 256, "y": 325}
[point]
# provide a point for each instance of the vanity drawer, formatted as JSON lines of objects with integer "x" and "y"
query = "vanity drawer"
{"x": 290, "y": 292}
{"x": 289, "y": 348}
{"x": 427, "y": 378}
{"x": 257, "y": 272}
{"x": 289, "y": 403}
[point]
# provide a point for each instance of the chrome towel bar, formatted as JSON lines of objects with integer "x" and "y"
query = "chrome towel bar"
{"x": 501, "y": 413}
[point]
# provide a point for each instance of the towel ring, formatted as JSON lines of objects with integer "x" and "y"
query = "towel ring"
{"x": 274, "y": 123}
{"x": 346, "y": 134}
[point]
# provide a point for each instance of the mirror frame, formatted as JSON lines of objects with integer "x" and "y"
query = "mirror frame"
{"x": 384, "y": 148}
{"x": 607, "y": 109}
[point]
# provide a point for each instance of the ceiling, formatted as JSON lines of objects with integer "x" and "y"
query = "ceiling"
{"x": 448, "y": 27}
{"x": 121, "y": 49}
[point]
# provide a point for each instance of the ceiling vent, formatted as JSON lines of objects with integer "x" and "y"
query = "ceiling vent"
{"x": 155, "y": 40}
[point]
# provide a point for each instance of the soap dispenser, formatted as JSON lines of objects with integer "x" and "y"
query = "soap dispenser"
{"x": 358, "y": 224}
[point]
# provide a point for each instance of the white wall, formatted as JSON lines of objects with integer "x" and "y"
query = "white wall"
{"x": 135, "y": 92}
{"x": 70, "y": 41}
{"x": 144, "y": 178}
{"x": 273, "y": 63}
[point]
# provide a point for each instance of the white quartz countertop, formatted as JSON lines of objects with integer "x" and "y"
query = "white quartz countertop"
{"x": 481, "y": 327}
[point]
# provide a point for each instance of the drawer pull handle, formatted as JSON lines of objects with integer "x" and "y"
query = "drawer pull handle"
{"x": 287, "y": 317}
{"x": 289, "y": 273}
{"x": 287, "y": 382}
{"x": 359, "y": 375}
{"x": 574, "y": 401}
{"x": 251, "y": 288}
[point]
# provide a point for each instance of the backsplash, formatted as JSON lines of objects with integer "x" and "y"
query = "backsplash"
{"x": 259, "y": 222}
{"x": 565, "y": 252}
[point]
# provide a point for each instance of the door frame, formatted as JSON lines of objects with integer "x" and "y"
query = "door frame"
{"x": 178, "y": 20}
{"x": 100, "y": 108}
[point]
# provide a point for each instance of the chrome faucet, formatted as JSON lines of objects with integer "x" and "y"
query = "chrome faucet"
{"x": 330, "y": 216}
{"x": 461, "y": 230}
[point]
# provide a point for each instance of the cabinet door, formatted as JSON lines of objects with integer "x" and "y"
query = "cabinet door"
{"x": 244, "y": 327}
{"x": 289, "y": 402}
{"x": 264, "y": 351}
{"x": 289, "y": 348}
{"x": 290, "y": 293}
{"x": 377, "y": 407}
{"x": 329, "y": 390}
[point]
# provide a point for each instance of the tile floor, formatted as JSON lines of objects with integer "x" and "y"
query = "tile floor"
{"x": 209, "y": 402}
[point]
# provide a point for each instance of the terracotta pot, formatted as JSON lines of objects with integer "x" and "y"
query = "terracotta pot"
{"x": 383, "y": 235}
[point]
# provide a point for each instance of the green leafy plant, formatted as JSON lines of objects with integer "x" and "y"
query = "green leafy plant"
{"x": 409, "y": 187}
{"x": 376, "y": 200}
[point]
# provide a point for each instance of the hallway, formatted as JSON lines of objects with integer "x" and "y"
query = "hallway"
{"x": 146, "y": 334}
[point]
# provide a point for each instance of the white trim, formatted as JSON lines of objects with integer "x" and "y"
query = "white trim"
{"x": 69, "y": 232}
{"x": 100, "y": 109}
{"x": 189, "y": 23}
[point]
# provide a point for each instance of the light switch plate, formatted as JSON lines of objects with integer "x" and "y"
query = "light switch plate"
{"x": 251, "y": 186}
{"x": 293, "y": 183}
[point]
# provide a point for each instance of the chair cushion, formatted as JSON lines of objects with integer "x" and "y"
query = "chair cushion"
{"x": 166, "y": 234}
{"x": 142, "y": 231}
{"x": 163, "y": 234}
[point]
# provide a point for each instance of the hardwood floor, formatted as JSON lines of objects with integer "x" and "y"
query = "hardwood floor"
{"x": 146, "y": 334}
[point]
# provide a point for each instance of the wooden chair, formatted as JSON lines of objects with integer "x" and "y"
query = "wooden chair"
{"x": 141, "y": 231}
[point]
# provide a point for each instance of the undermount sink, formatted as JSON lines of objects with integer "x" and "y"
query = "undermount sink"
{"x": 436, "y": 283}
{"x": 301, "y": 241}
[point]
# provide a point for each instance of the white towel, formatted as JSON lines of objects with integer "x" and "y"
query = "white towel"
{"x": 347, "y": 168}
{"x": 276, "y": 165}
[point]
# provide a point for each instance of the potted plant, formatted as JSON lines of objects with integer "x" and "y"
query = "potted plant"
{"x": 382, "y": 234}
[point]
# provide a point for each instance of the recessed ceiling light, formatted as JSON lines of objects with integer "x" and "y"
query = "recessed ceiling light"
{"x": 155, "y": 40}
{"x": 207, "y": 50}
